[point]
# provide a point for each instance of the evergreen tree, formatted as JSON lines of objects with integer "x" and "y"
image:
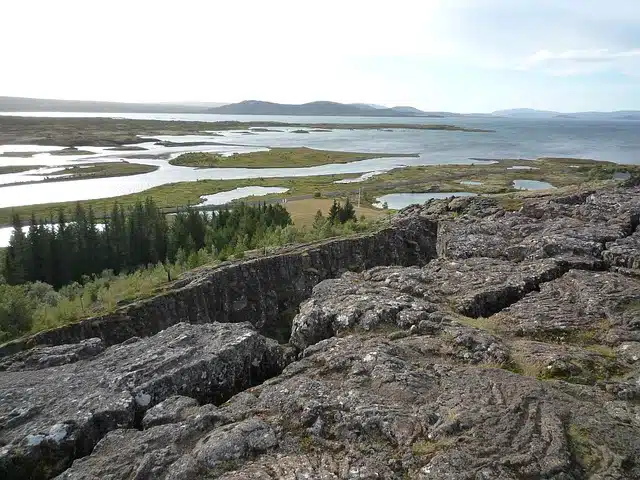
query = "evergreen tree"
{"x": 347, "y": 212}
{"x": 334, "y": 212}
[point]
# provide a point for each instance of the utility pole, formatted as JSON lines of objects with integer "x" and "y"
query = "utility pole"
{"x": 359, "y": 196}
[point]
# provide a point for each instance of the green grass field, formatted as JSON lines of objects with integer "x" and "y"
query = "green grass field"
{"x": 276, "y": 157}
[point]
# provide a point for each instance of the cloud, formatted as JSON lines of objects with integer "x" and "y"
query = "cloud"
{"x": 576, "y": 62}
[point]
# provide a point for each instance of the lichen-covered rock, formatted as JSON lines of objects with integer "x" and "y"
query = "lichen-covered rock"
{"x": 52, "y": 415}
{"x": 365, "y": 407}
{"x": 581, "y": 306}
{"x": 515, "y": 355}
{"x": 44, "y": 357}
{"x": 403, "y": 297}
{"x": 624, "y": 252}
{"x": 170, "y": 410}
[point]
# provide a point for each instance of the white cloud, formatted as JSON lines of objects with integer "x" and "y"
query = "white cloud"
{"x": 575, "y": 62}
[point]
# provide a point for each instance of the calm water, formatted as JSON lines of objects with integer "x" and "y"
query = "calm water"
{"x": 397, "y": 201}
{"x": 531, "y": 185}
{"x": 513, "y": 138}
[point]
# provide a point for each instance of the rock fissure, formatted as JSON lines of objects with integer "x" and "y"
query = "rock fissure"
{"x": 500, "y": 345}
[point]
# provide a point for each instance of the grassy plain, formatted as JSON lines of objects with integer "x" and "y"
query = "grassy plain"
{"x": 276, "y": 157}
{"x": 114, "y": 132}
{"x": 496, "y": 178}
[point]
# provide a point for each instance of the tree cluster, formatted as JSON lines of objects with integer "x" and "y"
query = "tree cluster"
{"x": 339, "y": 213}
{"x": 61, "y": 250}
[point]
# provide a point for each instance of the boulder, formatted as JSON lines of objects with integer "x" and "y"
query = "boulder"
{"x": 49, "y": 416}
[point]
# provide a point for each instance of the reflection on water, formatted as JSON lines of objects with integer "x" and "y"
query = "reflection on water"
{"x": 531, "y": 185}
{"x": 397, "y": 201}
{"x": 512, "y": 138}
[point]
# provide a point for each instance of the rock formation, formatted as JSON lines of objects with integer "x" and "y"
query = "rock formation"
{"x": 515, "y": 354}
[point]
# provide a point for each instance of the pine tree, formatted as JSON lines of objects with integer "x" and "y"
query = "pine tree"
{"x": 347, "y": 212}
{"x": 334, "y": 212}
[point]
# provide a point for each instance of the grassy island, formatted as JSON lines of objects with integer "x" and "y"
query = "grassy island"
{"x": 276, "y": 158}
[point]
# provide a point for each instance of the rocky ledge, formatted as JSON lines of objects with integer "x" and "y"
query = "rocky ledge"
{"x": 515, "y": 354}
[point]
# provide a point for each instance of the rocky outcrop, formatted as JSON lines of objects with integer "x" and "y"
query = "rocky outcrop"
{"x": 49, "y": 416}
{"x": 514, "y": 355}
{"x": 265, "y": 291}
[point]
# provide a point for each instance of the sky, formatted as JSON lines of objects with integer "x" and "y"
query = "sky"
{"x": 438, "y": 55}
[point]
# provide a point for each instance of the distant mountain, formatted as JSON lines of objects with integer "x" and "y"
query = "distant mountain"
{"x": 21, "y": 104}
{"x": 256, "y": 107}
{"x": 532, "y": 113}
{"x": 368, "y": 105}
{"x": 526, "y": 113}
{"x": 411, "y": 110}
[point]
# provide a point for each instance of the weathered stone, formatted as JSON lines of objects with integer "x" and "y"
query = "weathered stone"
{"x": 53, "y": 415}
{"x": 260, "y": 291}
{"x": 581, "y": 306}
{"x": 358, "y": 407}
{"x": 513, "y": 356}
{"x": 170, "y": 410}
{"x": 624, "y": 252}
{"x": 403, "y": 297}
{"x": 44, "y": 357}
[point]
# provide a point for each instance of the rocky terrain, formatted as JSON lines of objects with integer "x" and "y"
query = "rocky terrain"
{"x": 468, "y": 342}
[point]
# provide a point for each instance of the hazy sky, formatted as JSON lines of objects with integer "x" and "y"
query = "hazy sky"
{"x": 459, "y": 55}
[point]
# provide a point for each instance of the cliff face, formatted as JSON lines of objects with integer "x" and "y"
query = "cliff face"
{"x": 513, "y": 354}
{"x": 265, "y": 291}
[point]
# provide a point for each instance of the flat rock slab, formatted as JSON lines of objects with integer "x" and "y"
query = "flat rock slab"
{"x": 49, "y": 416}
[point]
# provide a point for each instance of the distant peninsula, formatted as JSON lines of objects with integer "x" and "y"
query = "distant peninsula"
{"x": 315, "y": 109}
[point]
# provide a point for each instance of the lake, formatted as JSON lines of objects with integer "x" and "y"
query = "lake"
{"x": 397, "y": 201}
{"x": 617, "y": 141}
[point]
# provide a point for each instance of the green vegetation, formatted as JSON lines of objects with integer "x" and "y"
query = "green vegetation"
{"x": 139, "y": 236}
{"x": 132, "y": 237}
{"x": 18, "y": 168}
{"x": 71, "y": 151}
{"x": 276, "y": 157}
{"x": 113, "y": 132}
{"x": 101, "y": 170}
{"x": 496, "y": 179}
{"x": 428, "y": 449}
{"x": 339, "y": 213}
{"x": 172, "y": 195}
{"x": 92, "y": 170}
{"x": 583, "y": 448}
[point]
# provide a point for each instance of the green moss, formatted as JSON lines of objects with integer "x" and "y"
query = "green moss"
{"x": 427, "y": 449}
{"x": 306, "y": 443}
{"x": 583, "y": 448}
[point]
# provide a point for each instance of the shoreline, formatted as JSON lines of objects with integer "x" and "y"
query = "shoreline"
{"x": 111, "y": 132}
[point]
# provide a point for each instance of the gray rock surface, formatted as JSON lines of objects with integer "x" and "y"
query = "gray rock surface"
{"x": 261, "y": 291}
{"x": 49, "y": 416}
{"x": 514, "y": 355}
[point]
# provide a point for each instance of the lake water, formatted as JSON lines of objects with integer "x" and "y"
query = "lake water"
{"x": 531, "y": 185}
{"x": 397, "y": 201}
{"x": 225, "y": 197}
{"x": 617, "y": 141}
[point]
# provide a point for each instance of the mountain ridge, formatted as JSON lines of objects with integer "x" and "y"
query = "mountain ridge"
{"x": 29, "y": 104}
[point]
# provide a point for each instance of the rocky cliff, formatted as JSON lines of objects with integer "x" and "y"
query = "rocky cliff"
{"x": 467, "y": 343}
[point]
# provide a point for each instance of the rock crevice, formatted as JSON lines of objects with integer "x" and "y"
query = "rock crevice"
{"x": 513, "y": 354}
